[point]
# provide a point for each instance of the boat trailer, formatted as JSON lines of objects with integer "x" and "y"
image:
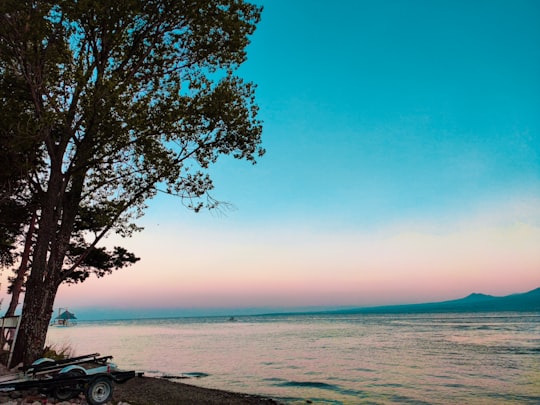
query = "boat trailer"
{"x": 65, "y": 379}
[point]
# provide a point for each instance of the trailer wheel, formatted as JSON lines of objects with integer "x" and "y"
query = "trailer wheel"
{"x": 65, "y": 393}
{"x": 99, "y": 391}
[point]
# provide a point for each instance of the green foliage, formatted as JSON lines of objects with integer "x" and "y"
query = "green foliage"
{"x": 12, "y": 218}
{"x": 58, "y": 352}
{"x": 98, "y": 261}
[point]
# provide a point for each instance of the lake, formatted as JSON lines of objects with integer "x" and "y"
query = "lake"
{"x": 465, "y": 358}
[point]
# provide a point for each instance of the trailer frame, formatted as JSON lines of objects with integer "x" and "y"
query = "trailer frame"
{"x": 67, "y": 378}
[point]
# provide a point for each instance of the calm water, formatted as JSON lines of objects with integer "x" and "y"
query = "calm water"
{"x": 344, "y": 359}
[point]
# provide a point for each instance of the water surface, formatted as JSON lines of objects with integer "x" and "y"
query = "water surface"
{"x": 334, "y": 359}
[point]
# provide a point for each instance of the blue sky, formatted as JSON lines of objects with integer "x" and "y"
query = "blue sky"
{"x": 376, "y": 110}
{"x": 402, "y": 165}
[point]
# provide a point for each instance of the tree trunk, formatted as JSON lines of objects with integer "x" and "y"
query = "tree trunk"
{"x": 37, "y": 312}
{"x": 18, "y": 282}
{"x": 43, "y": 281}
{"x": 59, "y": 206}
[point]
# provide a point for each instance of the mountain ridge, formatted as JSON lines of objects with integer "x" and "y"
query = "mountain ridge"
{"x": 475, "y": 302}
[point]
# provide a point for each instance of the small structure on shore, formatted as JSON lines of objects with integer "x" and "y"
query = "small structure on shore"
{"x": 64, "y": 318}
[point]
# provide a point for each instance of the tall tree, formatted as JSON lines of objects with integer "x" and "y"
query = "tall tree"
{"x": 118, "y": 99}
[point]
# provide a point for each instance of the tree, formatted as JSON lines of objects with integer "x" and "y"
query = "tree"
{"x": 17, "y": 159}
{"x": 118, "y": 100}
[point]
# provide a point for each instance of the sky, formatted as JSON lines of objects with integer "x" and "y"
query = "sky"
{"x": 402, "y": 166}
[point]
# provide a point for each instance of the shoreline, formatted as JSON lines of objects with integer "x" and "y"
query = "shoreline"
{"x": 159, "y": 391}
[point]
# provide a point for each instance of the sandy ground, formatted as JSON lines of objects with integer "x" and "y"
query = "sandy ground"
{"x": 154, "y": 391}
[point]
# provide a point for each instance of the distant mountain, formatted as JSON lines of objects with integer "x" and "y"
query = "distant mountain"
{"x": 477, "y": 297}
{"x": 523, "y": 302}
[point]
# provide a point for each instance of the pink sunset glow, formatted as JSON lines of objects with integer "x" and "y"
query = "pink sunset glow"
{"x": 217, "y": 268}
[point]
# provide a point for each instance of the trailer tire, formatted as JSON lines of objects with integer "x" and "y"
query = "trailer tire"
{"x": 99, "y": 391}
{"x": 64, "y": 394}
